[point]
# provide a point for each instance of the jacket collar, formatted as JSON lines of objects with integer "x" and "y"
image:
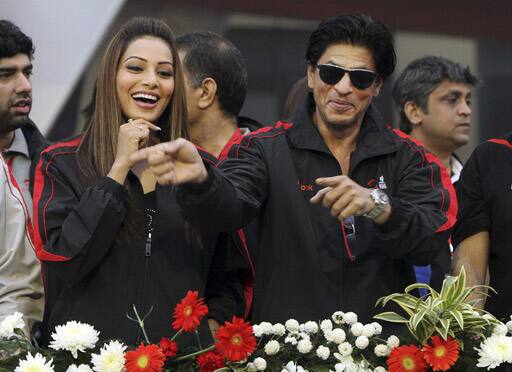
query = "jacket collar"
{"x": 35, "y": 140}
{"x": 374, "y": 138}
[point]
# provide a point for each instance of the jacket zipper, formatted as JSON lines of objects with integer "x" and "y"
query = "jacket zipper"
{"x": 347, "y": 246}
{"x": 147, "y": 254}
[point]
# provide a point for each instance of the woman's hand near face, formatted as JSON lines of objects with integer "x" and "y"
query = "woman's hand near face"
{"x": 132, "y": 136}
{"x": 174, "y": 163}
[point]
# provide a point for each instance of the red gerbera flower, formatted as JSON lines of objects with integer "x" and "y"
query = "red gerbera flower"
{"x": 235, "y": 340}
{"x": 210, "y": 361}
{"x": 189, "y": 312}
{"x": 441, "y": 355}
{"x": 406, "y": 358}
{"x": 169, "y": 347}
{"x": 145, "y": 359}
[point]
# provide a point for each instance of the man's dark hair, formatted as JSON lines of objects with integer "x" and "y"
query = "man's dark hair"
{"x": 421, "y": 77}
{"x": 210, "y": 55}
{"x": 13, "y": 41}
{"x": 358, "y": 30}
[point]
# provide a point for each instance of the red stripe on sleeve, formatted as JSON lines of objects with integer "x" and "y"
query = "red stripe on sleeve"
{"x": 39, "y": 185}
{"x": 451, "y": 213}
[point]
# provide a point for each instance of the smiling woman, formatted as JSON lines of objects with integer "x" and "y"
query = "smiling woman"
{"x": 109, "y": 235}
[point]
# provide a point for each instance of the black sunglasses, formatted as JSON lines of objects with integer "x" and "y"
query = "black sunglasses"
{"x": 360, "y": 78}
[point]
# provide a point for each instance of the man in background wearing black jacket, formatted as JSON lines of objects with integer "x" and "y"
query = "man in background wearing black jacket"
{"x": 433, "y": 99}
{"x": 346, "y": 204}
{"x": 216, "y": 87}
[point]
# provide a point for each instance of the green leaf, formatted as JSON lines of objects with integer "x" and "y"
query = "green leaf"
{"x": 390, "y": 316}
{"x": 442, "y": 329}
{"x": 414, "y": 286}
{"x": 457, "y": 315}
{"x": 417, "y": 318}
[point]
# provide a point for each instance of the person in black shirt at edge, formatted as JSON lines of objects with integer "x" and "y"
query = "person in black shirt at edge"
{"x": 110, "y": 236}
{"x": 347, "y": 205}
{"x": 482, "y": 237}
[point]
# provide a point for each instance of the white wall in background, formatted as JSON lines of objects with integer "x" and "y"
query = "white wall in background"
{"x": 65, "y": 34}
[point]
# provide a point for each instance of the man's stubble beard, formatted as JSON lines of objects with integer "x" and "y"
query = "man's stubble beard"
{"x": 9, "y": 122}
{"x": 339, "y": 128}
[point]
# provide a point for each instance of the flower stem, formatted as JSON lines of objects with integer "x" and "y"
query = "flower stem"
{"x": 198, "y": 340}
{"x": 141, "y": 325}
{"x": 190, "y": 356}
{"x": 176, "y": 334}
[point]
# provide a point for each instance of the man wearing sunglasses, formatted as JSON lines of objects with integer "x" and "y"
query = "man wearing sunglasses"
{"x": 346, "y": 205}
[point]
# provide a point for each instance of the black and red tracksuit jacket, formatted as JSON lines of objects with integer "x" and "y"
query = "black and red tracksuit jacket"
{"x": 237, "y": 269}
{"x": 93, "y": 276}
{"x": 484, "y": 192}
{"x": 307, "y": 263}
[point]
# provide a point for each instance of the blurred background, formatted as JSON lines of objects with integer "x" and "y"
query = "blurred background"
{"x": 70, "y": 37}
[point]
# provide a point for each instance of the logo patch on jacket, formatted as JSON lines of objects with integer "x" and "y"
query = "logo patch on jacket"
{"x": 305, "y": 187}
{"x": 382, "y": 183}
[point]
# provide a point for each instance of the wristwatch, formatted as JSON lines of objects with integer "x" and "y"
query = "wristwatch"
{"x": 380, "y": 199}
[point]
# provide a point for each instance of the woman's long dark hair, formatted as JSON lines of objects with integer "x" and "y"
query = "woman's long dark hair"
{"x": 97, "y": 150}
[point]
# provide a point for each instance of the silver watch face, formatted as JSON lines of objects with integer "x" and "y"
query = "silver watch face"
{"x": 381, "y": 200}
{"x": 379, "y": 197}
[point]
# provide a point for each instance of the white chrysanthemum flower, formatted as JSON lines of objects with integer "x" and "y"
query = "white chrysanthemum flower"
{"x": 272, "y": 347}
{"x": 362, "y": 342}
{"x": 509, "y": 326}
{"x": 393, "y": 342}
{"x": 10, "y": 323}
{"x": 323, "y": 352}
{"x": 337, "y": 317}
{"x": 304, "y": 336}
{"x": 251, "y": 367}
{"x": 110, "y": 358}
{"x": 311, "y": 327}
{"x": 346, "y": 363}
{"x": 326, "y": 325}
{"x": 350, "y": 318}
{"x": 381, "y": 350}
{"x": 74, "y": 337}
{"x": 380, "y": 369}
{"x": 357, "y": 329}
{"x": 500, "y": 329}
{"x": 80, "y": 368}
{"x": 337, "y": 336}
{"x": 292, "y": 325}
{"x": 37, "y": 363}
{"x": 278, "y": 329}
{"x": 257, "y": 330}
{"x": 292, "y": 367}
{"x": 260, "y": 364}
{"x": 345, "y": 349}
{"x": 377, "y": 327}
{"x": 291, "y": 340}
{"x": 266, "y": 328}
{"x": 368, "y": 330}
{"x": 494, "y": 351}
{"x": 304, "y": 346}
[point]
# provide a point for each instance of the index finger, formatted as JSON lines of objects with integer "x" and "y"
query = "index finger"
{"x": 148, "y": 124}
{"x": 330, "y": 181}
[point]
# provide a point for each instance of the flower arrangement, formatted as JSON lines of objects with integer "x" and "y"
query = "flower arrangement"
{"x": 445, "y": 333}
{"x": 75, "y": 346}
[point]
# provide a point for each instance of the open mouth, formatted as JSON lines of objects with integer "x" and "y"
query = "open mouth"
{"x": 22, "y": 105}
{"x": 146, "y": 98}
